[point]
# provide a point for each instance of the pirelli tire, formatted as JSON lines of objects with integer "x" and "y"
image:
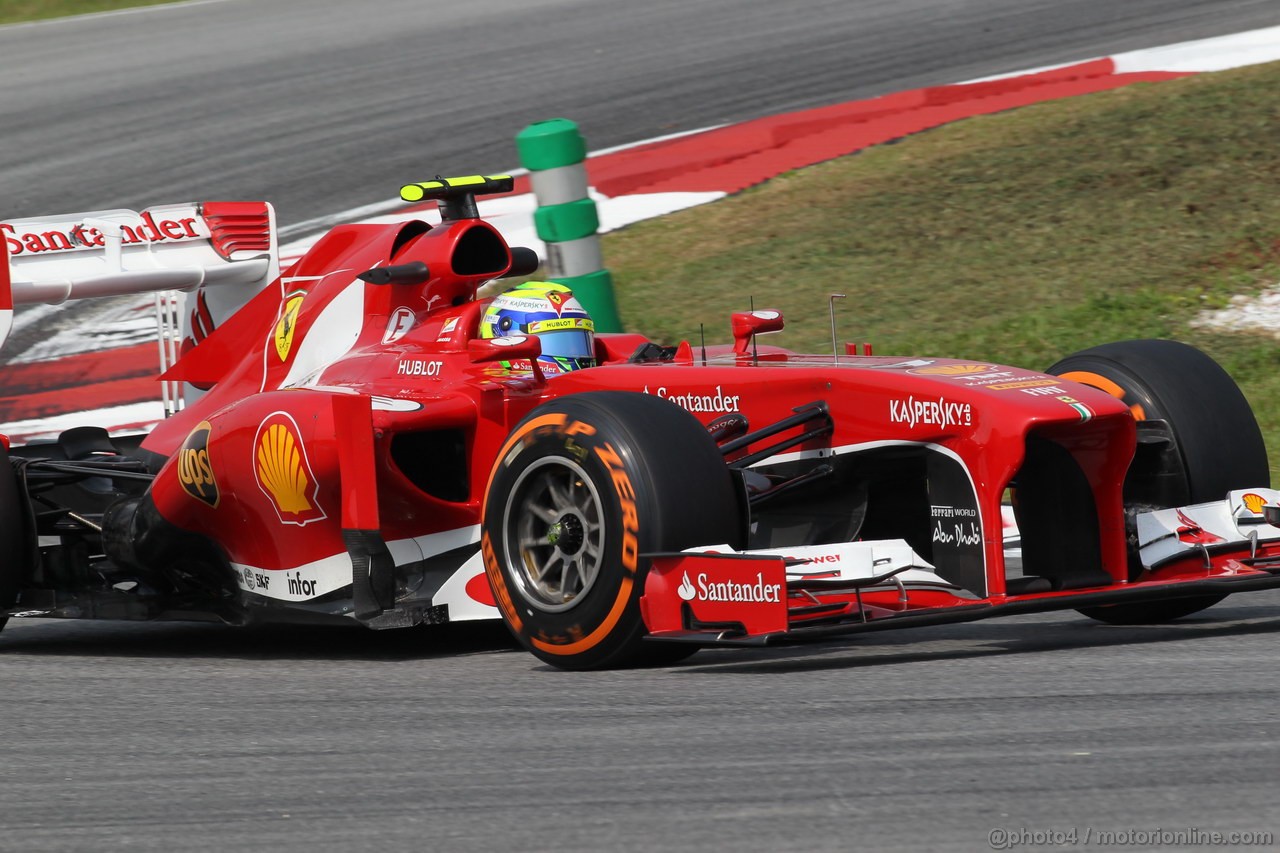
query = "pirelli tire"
{"x": 583, "y": 488}
{"x": 14, "y": 539}
{"x": 1213, "y": 442}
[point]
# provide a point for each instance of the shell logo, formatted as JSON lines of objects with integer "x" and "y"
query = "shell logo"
{"x": 283, "y": 472}
{"x": 1254, "y": 502}
{"x": 953, "y": 369}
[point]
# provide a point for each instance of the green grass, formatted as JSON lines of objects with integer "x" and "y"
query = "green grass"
{"x": 1018, "y": 237}
{"x": 14, "y": 11}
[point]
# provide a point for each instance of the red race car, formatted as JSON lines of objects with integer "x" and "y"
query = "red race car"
{"x": 377, "y": 443}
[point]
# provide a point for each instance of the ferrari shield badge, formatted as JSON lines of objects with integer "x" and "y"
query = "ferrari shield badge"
{"x": 286, "y": 324}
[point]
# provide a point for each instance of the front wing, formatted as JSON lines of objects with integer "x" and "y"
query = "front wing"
{"x": 717, "y": 597}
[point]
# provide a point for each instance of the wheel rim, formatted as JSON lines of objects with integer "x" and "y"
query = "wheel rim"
{"x": 555, "y": 534}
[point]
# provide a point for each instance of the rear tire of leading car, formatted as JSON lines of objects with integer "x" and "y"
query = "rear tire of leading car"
{"x": 584, "y": 486}
{"x": 1217, "y": 445}
{"x": 13, "y": 536}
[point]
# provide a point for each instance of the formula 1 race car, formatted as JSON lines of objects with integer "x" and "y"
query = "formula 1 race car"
{"x": 376, "y": 443}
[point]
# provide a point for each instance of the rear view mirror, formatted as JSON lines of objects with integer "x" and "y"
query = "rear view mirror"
{"x": 508, "y": 348}
{"x": 747, "y": 324}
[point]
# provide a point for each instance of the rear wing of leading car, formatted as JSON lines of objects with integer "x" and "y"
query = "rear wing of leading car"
{"x": 222, "y": 252}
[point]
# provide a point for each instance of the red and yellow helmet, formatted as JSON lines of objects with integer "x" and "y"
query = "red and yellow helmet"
{"x": 548, "y": 311}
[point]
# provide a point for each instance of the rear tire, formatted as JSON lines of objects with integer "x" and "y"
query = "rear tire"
{"x": 584, "y": 486}
{"x": 1217, "y": 443}
{"x": 14, "y": 551}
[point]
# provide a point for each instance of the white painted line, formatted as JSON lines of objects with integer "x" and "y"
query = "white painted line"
{"x": 88, "y": 16}
{"x": 312, "y": 228}
{"x": 1213, "y": 54}
{"x": 670, "y": 136}
{"x": 118, "y": 420}
{"x": 1219, "y": 53}
{"x": 369, "y": 212}
{"x": 1025, "y": 72}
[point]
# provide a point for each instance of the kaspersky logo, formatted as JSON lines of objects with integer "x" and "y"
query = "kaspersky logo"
{"x": 929, "y": 412}
{"x": 752, "y": 593}
{"x": 283, "y": 471}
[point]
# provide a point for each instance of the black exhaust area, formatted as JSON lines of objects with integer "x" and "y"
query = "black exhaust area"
{"x": 435, "y": 461}
{"x": 137, "y": 538}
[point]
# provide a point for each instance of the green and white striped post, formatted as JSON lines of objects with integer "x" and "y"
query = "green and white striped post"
{"x": 554, "y": 151}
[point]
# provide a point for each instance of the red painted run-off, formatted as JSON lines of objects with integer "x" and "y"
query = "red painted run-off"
{"x": 728, "y": 160}
{"x": 731, "y": 159}
{"x": 93, "y": 380}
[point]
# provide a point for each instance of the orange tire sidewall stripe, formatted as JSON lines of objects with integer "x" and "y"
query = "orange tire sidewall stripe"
{"x": 1102, "y": 383}
{"x": 607, "y": 456}
{"x": 591, "y": 640}
{"x": 501, "y": 595}
{"x": 554, "y": 420}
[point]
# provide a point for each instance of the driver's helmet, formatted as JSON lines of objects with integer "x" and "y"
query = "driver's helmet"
{"x": 548, "y": 311}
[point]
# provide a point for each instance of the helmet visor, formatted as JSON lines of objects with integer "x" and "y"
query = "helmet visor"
{"x": 571, "y": 343}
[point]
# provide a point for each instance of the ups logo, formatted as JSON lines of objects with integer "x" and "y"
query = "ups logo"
{"x": 195, "y": 471}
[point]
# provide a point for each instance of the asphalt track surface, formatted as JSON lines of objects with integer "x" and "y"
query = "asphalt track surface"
{"x": 323, "y": 105}
{"x": 165, "y": 737}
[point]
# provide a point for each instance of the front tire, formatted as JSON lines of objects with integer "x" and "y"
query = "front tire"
{"x": 584, "y": 487}
{"x": 1216, "y": 443}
